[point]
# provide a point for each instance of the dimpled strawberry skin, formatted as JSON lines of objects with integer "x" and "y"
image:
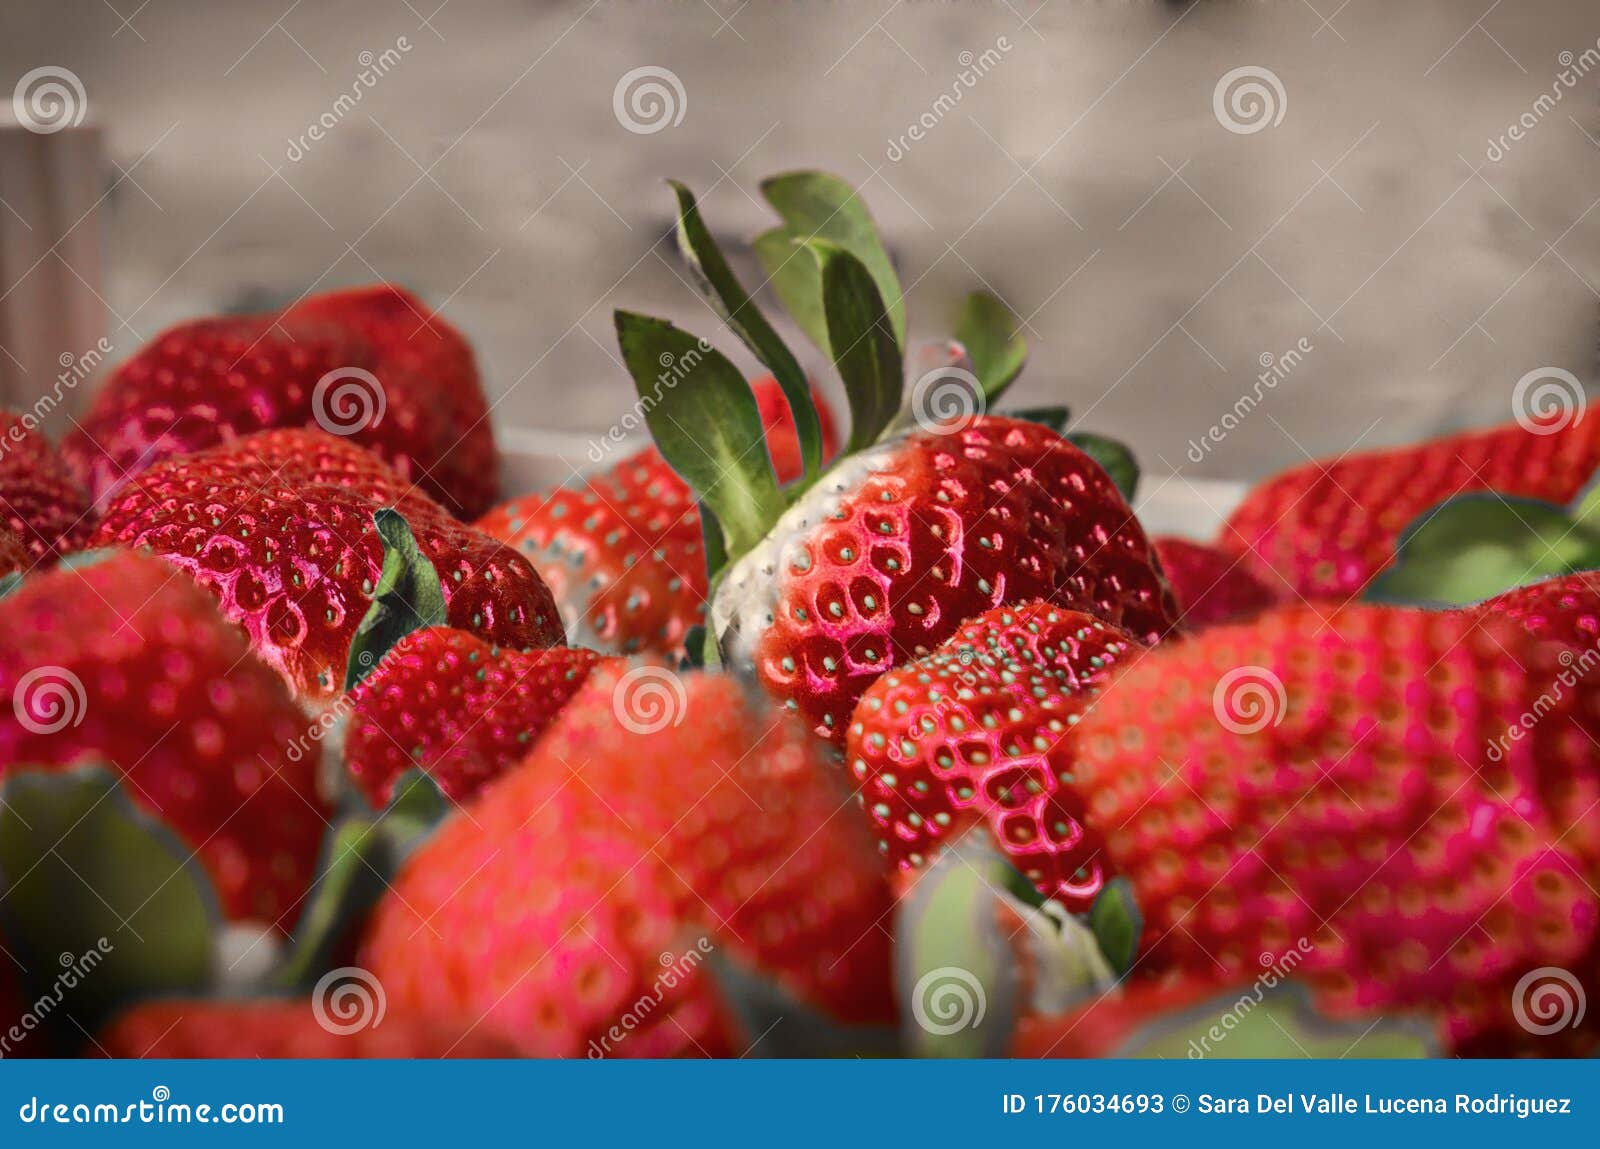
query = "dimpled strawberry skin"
{"x": 455, "y": 707}
{"x": 1565, "y": 609}
{"x": 170, "y": 695}
{"x": 1327, "y": 528}
{"x": 283, "y": 1029}
{"x": 975, "y": 731}
{"x": 1212, "y": 586}
{"x": 40, "y": 501}
{"x": 1348, "y": 810}
{"x": 279, "y": 527}
{"x": 882, "y": 561}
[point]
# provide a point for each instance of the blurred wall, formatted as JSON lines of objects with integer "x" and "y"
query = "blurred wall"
{"x": 1360, "y": 205}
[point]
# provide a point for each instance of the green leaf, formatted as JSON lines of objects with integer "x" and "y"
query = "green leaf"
{"x": 86, "y": 872}
{"x": 1114, "y": 458}
{"x": 1056, "y": 418}
{"x": 794, "y": 275}
{"x": 866, "y": 350}
{"x": 705, "y": 421}
{"x": 408, "y": 597}
{"x": 991, "y": 333}
{"x": 1274, "y": 1021}
{"x": 362, "y": 857}
{"x": 723, "y": 290}
{"x": 1117, "y": 924}
{"x": 1474, "y": 546}
{"x": 816, "y": 205}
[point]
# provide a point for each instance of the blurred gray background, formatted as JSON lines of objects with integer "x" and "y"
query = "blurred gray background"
{"x": 1160, "y": 244}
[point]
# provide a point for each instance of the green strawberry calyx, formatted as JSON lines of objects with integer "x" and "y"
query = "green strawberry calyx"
{"x": 409, "y": 596}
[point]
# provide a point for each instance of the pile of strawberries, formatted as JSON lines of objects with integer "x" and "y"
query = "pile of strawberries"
{"x": 761, "y": 738}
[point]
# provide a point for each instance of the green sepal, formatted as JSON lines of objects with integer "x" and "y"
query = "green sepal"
{"x": 364, "y": 852}
{"x": 409, "y": 597}
{"x": 816, "y": 205}
{"x": 722, "y": 288}
{"x": 1056, "y": 418}
{"x": 867, "y": 351}
{"x": 1275, "y": 1022}
{"x": 991, "y": 333}
{"x": 1477, "y": 545}
{"x": 1117, "y": 924}
{"x": 83, "y": 869}
{"x": 776, "y": 1024}
{"x": 794, "y": 275}
{"x": 9, "y": 584}
{"x": 1114, "y": 457}
{"x": 705, "y": 422}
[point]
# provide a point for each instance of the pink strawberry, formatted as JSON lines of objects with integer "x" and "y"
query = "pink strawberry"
{"x": 40, "y": 502}
{"x": 373, "y": 363}
{"x": 630, "y": 833}
{"x": 278, "y": 526}
{"x": 1211, "y": 586}
{"x": 283, "y": 1029}
{"x": 462, "y": 711}
{"x": 1326, "y": 784}
{"x": 974, "y": 731}
{"x": 624, "y": 553}
{"x": 1564, "y": 609}
{"x": 123, "y": 661}
{"x": 1327, "y": 528}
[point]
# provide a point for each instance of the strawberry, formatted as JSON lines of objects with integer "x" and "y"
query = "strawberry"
{"x": 278, "y": 526}
{"x": 371, "y": 363}
{"x": 623, "y": 553}
{"x": 283, "y": 1029}
{"x": 13, "y": 555}
{"x": 455, "y": 707}
{"x": 1210, "y": 585}
{"x": 1107, "y": 1025}
{"x": 655, "y": 811}
{"x": 1327, "y": 783}
{"x": 1327, "y": 528}
{"x": 1565, "y": 609}
{"x": 974, "y": 730}
{"x": 40, "y": 502}
{"x": 882, "y": 561}
{"x": 935, "y": 512}
{"x": 121, "y": 661}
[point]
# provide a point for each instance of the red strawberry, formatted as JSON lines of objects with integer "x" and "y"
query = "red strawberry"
{"x": 283, "y": 1029}
{"x": 623, "y": 553}
{"x": 974, "y": 731}
{"x": 1110, "y": 1023}
{"x": 123, "y": 661}
{"x": 279, "y": 527}
{"x": 1327, "y": 528}
{"x": 1565, "y": 609}
{"x": 1212, "y": 587}
{"x": 40, "y": 502}
{"x": 213, "y": 380}
{"x": 448, "y": 703}
{"x": 655, "y": 811}
{"x": 13, "y": 555}
{"x": 882, "y": 560}
{"x": 1327, "y": 783}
